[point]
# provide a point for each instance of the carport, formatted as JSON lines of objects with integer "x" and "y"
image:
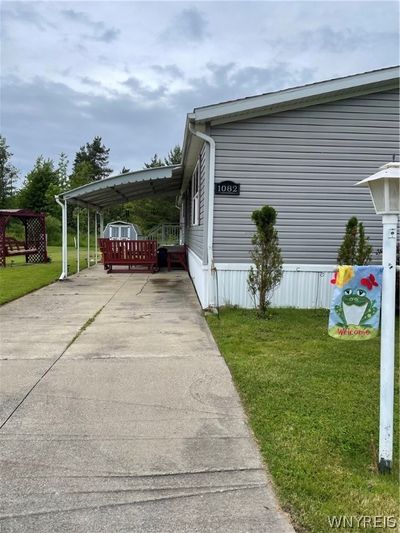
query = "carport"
{"x": 99, "y": 195}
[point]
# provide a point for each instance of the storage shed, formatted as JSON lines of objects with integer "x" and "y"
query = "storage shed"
{"x": 120, "y": 230}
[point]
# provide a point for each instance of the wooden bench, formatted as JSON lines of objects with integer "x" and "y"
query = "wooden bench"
{"x": 14, "y": 247}
{"x": 138, "y": 256}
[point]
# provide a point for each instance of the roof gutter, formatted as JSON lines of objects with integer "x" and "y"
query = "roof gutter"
{"x": 210, "y": 205}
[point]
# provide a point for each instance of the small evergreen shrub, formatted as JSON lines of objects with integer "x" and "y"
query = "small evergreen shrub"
{"x": 266, "y": 255}
{"x": 355, "y": 248}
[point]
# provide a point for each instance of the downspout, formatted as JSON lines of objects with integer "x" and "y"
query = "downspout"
{"x": 64, "y": 250}
{"x": 210, "y": 211}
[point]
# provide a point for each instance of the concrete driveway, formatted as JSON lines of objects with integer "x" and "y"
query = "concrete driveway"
{"x": 119, "y": 414}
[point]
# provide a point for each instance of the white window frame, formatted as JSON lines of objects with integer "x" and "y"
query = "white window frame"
{"x": 124, "y": 229}
{"x": 114, "y": 229}
{"x": 195, "y": 197}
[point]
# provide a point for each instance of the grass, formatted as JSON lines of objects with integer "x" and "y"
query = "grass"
{"x": 19, "y": 278}
{"x": 313, "y": 404}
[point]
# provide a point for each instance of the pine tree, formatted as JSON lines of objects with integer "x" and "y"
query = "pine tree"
{"x": 355, "y": 248}
{"x": 97, "y": 155}
{"x": 174, "y": 156}
{"x": 8, "y": 174}
{"x": 82, "y": 174}
{"x": 155, "y": 162}
{"x": 63, "y": 179}
{"x": 266, "y": 255}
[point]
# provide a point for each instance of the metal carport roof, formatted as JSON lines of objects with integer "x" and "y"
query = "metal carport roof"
{"x": 161, "y": 181}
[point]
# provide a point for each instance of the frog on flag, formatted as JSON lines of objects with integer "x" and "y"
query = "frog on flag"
{"x": 356, "y": 302}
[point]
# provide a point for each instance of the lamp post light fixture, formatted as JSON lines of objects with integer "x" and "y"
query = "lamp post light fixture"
{"x": 384, "y": 187}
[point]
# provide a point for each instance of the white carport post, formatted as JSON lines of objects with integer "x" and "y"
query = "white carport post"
{"x": 77, "y": 243}
{"x": 88, "y": 238}
{"x": 95, "y": 236}
{"x": 64, "y": 249}
{"x": 101, "y": 223}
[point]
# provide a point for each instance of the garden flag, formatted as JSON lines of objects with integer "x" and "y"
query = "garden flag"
{"x": 356, "y": 302}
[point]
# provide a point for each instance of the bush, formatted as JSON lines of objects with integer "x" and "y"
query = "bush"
{"x": 266, "y": 254}
{"x": 355, "y": 248}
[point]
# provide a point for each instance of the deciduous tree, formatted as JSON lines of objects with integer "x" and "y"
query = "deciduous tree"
{"x": 40, "y": 186}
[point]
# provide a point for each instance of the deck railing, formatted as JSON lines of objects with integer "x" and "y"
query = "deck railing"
{"x": 165, "y": 234}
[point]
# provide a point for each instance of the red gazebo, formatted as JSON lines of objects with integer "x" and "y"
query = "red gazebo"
{"x": 34, "y": 246}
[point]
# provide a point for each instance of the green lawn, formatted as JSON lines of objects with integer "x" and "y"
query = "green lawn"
{"x": 313, "y": 404}
{"x": 19, "y": 278}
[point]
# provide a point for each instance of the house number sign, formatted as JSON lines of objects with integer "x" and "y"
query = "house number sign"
{"x": 227, "y": 188}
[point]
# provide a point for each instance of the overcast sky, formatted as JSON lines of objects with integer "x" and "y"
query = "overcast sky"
{"x": 130, "y": 71}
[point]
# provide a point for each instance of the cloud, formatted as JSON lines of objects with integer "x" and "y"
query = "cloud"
{"x": 99, "y": 31}
{"x": 65, "y": 119}
{"x": 190, "y": 25}
{"x": 141, "y": 90}
{"x": 107, "y": 36}
{"x": 133, "y": 124}
{"x": 327, "y": 39}
{"x": 169, "y": 71}
{"x": 24, "y": 13}
{"x": 230, "y": 81}
{"x": 89, "y": 73}
{"x": 89, "y": 81}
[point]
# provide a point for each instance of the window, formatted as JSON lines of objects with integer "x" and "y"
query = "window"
{"x": 114, "y": 232}
{"x": 195, "y": 214}
{"x": 124, "y": 232}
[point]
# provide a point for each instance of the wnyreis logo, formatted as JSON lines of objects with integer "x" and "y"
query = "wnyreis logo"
{"x": 363, "y": 522}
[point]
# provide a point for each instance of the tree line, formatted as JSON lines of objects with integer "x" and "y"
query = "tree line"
{"x": 91, "y": 163}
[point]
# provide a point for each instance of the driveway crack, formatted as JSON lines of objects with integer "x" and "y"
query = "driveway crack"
{"x": 81, "y": 330}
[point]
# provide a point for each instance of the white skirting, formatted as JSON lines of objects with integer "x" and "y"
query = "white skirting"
{"x": 302, "y": 286}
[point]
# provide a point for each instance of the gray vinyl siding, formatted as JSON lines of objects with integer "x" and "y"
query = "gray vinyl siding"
{"x": 304, "y": 163}
{"x": 194, "y": 235}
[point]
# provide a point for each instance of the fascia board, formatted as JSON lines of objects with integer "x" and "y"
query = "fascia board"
{"x": 115, "y": 181}
{"x": 366, "y": 83}
{"x": 295, "y": 104}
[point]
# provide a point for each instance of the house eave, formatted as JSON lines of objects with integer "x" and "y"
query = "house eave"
{"x": 316, "y": 93}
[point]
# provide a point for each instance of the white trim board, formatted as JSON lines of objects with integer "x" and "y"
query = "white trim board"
{"x": 198, "y": 274}
{"x": 286, "y": 267}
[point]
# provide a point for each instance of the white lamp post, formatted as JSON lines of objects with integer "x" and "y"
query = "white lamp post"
{"x": 384, "y": 187}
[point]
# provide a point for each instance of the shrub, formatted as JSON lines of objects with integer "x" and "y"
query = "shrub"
{"x": 266, "y": 255}
{"x": 355, "y": 248}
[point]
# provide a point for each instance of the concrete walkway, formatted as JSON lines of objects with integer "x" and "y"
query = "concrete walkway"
{"x": 119, "y": 414}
